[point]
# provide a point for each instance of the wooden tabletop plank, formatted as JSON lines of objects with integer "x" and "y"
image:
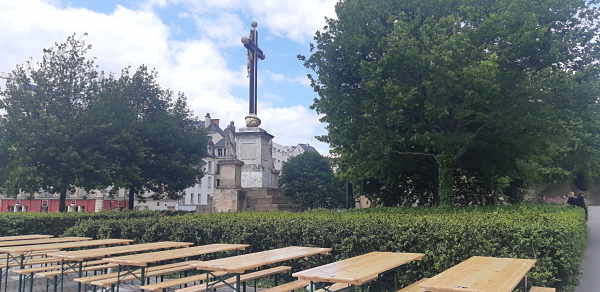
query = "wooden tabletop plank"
{"x": 243, "y": 263}
{"x": 144, "y": 259}
{"x": 358, "y": 270}
{"x": 18, "y": 250}
{"x": 41, "y": 241}
{"x": 87, "y": 254}
{"x": 477, "y": 273}
{"x": 24, "y": 237}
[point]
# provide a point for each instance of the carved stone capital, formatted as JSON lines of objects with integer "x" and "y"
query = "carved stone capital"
{"x": 252, "y": 121}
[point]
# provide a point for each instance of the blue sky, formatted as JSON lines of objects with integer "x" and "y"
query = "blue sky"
{"x": 195, "y": 47}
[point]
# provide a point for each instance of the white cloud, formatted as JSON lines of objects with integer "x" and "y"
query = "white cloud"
{"x": 296, "y": 20}
{"x": 133, "y": 37}
{"x": 278, "y": 77}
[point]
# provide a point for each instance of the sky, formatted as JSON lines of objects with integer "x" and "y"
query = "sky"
{"x": 195, "y": 47}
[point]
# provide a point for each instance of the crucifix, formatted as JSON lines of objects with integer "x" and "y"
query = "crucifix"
{"x": 254, "y": 53}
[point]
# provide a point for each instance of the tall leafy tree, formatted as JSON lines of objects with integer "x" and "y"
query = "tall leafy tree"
{"x": 45, "y": 103}
{"x": 67, "y": 126}
{"x": 308, "y": 178}
{"x": 484, "y": 86}
{"x": 147, "y": 138}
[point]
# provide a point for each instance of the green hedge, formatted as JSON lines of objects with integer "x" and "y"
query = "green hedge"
{"x": 554, "y": 235}
{"x": 57, "y": 223}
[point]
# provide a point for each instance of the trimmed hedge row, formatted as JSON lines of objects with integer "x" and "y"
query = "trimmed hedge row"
{"x": 57, "y": 223}
{"x": 554, "y": 235}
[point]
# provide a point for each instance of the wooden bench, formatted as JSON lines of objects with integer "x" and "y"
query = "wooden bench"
{"x": 335, "y": 287}
{"x": 542, "y": 289}
{"x": 290, "y": 286}
{"x": 90, "y": 279}
{"x": 107, "y": 283}
{"x": 32, "y": 262}
{"x": 192, "y": 280}
{"x": 414, "y": 287}
{"x": 31, "y": 255}
{"x": 56, "y": 273}
{"x": 243, "y": 278}
{"x": 53, "y": 267}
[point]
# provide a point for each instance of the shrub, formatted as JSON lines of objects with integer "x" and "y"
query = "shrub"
{"x": 57, "y": 223}
{"x": 554, "y": 235}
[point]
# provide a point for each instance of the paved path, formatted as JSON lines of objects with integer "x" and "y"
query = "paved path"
{"x": 591, "y": 277}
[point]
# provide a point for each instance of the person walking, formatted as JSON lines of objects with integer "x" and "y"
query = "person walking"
{"x": 579, "y": 201}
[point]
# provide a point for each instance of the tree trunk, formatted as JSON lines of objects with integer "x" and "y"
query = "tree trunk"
{"x": 62, "y": 201}
{"x": 131, "y": 199}
{"x": 446, "y": 171}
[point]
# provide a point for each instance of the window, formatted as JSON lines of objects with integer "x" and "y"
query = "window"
{"x": 209, "y": 184}
{"x": 210, "y": 166}
{"x": 157, "y": 204}
{"x": 220, "y": 152}
{"x": 218, "y": 182}
{"x": 198, "y": 202}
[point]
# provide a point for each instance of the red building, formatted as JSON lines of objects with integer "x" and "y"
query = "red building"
{"x": 51, "y": 205}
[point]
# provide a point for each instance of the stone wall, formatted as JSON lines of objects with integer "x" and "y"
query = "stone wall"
{"x": 267, "y": 199}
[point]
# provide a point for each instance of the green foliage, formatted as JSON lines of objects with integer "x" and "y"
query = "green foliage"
{"x": 309, "y": 180}
{"x": 553, "y": 235}
{"x": 45, "y": 104}
{"x": 495, "y": 88}
{"x": 57, "y": 223}
{"x": 147, "y": 138}
{"x": 68, "y": 125}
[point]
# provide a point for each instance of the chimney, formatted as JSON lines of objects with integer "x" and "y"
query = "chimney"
{"x": 207, "y": 120}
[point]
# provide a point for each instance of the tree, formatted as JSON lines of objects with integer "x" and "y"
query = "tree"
{"x": 67, "y": 126}
{"x": 148, "y": 139}
{"x": 485, "y": 87}
{"x": 308, "y": 178}
{"x": 45, "y": 103}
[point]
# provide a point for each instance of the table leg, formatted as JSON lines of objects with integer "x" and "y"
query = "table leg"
{"x": 80, "y": 275}
{"x": 237, "y": 282}
{"x": 143, "y": 277}
{"x": 22, "y": 258}
{"x": 118, "y": 276}
{"x": 6, "y": 275}
{"x": 312, "y": 287}
{"x": 55, "y": 283}
{"x": 31, "y": 282}
{"x": 62, "y": 276}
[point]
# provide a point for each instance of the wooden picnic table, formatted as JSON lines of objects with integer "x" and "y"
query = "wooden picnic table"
{"x": 31, "y": 242}
{"x": 81, "y": 256}
{"x": 357, "y": 271}
{"x": 481, "y": 274}
{"x": 24, "y": 237}
{"x": 41, "y": 241}
{"x": 21, "y": 250}
{"x": 131, "y": 263}
{"x": 18, "y": 253}
{"x": 238, "y": 265}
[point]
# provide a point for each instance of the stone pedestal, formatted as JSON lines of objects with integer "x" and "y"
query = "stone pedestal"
{"x": 228, "y": 196}
{"x": 254, "y": 148}
{"x": 99, "y": 206}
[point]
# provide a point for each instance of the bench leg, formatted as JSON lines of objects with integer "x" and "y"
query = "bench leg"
{"x": 6, "y": 272}
{"x": 143, "y": 277}
{"x": 62, "y": 276}
{"x": 31, "y": 283}
{"x": 55, "y": 283}
{"x": 80, "y": 275}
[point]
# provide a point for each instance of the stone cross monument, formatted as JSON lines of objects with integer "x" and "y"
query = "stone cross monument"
{"x": 254, "y": 53}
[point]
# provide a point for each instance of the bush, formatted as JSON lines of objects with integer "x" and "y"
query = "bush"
{"x": 554, "y": 235}
{"x": 57, "y": 223}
